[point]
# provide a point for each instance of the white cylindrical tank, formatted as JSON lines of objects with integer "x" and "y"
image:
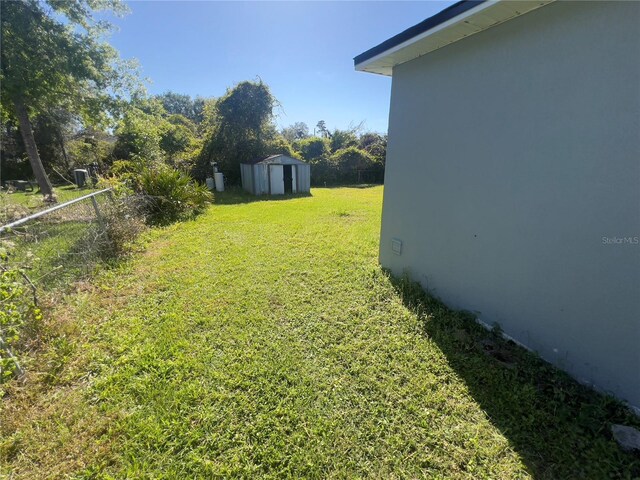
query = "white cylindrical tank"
{"x": 219, "y": 179}
{"x": 210, "y": 183}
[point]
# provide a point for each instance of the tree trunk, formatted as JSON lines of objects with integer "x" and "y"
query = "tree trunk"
{"x": 60, "y": 137}
{"x": 32, "y": 150}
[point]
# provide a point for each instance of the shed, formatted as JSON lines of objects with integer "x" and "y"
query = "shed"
{"x": 511, "y": 183}
{"x": 276, "y": 175}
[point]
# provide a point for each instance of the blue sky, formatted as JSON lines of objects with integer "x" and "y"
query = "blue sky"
{"x": 303, "y": 50}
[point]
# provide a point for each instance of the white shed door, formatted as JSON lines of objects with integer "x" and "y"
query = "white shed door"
{"x": 277, "y": 179}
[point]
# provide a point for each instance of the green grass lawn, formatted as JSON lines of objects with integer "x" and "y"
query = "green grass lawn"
{"x": 34, "y": 200}
{"x": 262, "y": 340}
{"x": 16, "y": 205}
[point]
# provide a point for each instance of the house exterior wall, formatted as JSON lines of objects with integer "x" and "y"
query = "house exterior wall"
{"x": 513, "y": 162}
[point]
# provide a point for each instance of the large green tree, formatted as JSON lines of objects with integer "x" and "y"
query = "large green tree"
{"x": 139, "y": 134}
{"x": 180, "y": 104}
{"x": 297, "y": 131}
{"x": 240, "y": 128}
{"x": 51, "y": 129}
{"x": 321, "y": 127}
{"x": 146, "y": 134}
{"x": 340, "y": 139}
{"x": 175, "y": 140}
{"x": 312, "y": 148}
{"x": 54, "y": 56}
{"x": 374, "y": 144}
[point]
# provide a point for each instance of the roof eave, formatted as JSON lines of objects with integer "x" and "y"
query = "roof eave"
{"x": 455, "y": 23}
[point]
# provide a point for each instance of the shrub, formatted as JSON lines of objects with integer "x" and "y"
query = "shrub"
{"x": 124, "y": 173}
{"x": 280, "y": 146}
{"x": 350, "y": 161}
{"x": 19, "y": 310}
{"x": 123, "y": 222}
{"x": 120, "y": 168}
{"x": 170, "y": 195}
{"x": 323, "y": 172}
{"x": 91, "y": 147}
{"x": 312, "y": 148}
{"x": 341, "y": 139}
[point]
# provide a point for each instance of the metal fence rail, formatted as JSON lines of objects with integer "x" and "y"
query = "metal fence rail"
{"x": 48, "y": 211}
{"x": 61, "y": 243}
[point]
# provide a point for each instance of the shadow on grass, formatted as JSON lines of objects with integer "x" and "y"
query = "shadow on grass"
{"x": 236, "y": 195}
{"x": 361, "y": 186}
{"x": 560, "y": 428}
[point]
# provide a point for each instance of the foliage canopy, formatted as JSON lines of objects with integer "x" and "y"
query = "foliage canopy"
{"x": 50, "y": 63}
{"x": 54, "y": 56}
{"x": 240, "y": 128}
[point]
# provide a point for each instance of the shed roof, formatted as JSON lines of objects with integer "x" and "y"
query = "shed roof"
{"x": 276, "y": 160}
{"x": 458, "y": 21}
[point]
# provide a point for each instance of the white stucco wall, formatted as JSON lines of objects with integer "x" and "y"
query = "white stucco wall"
{"x": 513, "y": 155}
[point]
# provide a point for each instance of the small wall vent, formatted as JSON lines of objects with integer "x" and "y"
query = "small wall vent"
{"x": 396, "y": 246}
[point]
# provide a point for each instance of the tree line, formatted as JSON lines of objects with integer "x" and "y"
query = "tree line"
{"x": 68, "y": 101}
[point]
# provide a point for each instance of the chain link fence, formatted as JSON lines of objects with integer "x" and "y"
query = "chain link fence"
{"x": 49, "y": 250}
{"x": 59, "y": 244}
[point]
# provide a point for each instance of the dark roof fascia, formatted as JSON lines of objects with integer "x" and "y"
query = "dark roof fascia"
{"x": 448, "y": 13}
